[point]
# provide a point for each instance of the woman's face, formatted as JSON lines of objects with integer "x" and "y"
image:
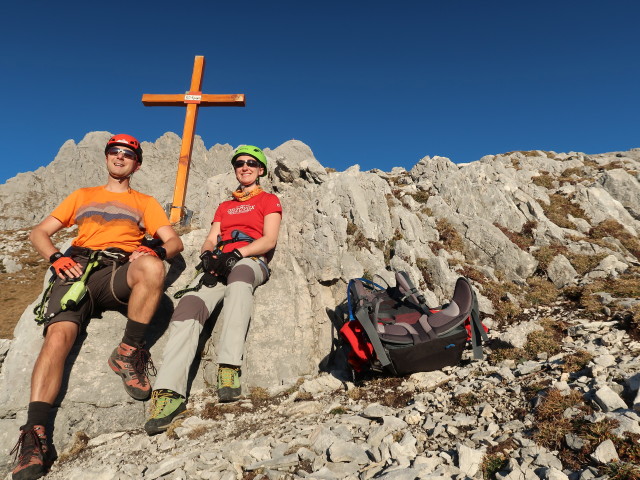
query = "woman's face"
{"x": 245, "y": 173}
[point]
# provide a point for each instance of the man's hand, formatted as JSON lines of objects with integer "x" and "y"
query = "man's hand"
{"x": 142, "y": 250}
{"x": 65, "y": 267}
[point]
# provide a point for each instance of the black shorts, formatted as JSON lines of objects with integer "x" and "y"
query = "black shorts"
{"x": 106, "y": 290}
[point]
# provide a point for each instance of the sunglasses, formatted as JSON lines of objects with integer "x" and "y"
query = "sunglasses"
{"x": 128, "y": 154}
{"x": 249, "y": 163}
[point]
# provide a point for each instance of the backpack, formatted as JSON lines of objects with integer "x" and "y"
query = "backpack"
{"x": 392, "y": 329}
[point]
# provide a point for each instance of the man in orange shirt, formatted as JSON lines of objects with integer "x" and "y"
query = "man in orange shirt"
{"x": 112, "y": 222}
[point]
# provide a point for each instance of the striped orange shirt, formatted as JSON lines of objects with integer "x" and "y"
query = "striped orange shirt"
{"x": 108, "y": 219}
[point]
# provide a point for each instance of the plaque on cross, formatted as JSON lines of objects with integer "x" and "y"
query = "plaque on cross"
{"x": 193, "y": 99}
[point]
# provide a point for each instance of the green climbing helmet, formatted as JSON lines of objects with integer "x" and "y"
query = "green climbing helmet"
{"x": 254, "y": 152}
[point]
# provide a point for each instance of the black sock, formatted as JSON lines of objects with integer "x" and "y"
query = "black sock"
{"x": 38, "y": 413}
{"x": 134, "y": 333}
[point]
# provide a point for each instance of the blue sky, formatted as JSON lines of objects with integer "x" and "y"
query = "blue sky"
{"x": 380, "y": 84}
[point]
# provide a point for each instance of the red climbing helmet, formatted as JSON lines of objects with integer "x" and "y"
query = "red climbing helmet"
{"x": 125, "y": 141}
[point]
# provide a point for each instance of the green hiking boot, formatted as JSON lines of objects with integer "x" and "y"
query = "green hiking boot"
{"x": 228, "y": 383}
{"x": 166, "y": 406}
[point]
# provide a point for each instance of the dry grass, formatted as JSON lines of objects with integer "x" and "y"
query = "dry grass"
{"x": 421, "y": 196}
{"x": 21, "y": 288}
{"x": 575, "y": 362}
{"x": 584, "y": 263}
{"x": 552, "y": 427}
{"x": 304, "y": 397}
{"x": 506, "y": 311}
{"x": 624, "y": 286}
{"x": 613, "y": 228}
{"x": 466, "y": 400}
{"x": 540, "y": 292}
{"x": 80, "y": 442}
{"x": 449, "y": 236}
{"x": 356, "y": 237}
{"x": 497, "y": 458}
{"x": 197, "y": 432}
{"x": 559, "y": 207}
{"x": 492, "y": 464}
{"x": 545, "y": 180}
{"x": 338, "y": 411}
{"x": 215, "y": 411}
{"x": 522, "y": 240}
{"x": 384, "y": 390}
{"x": 171, "y": 430}
{"x": 427, "y": 282}
{"x": 548, "y": 340}
{"x": 546, "y": 253}
{"x": 575, "y": 175}
{"x": 622, "y": 471}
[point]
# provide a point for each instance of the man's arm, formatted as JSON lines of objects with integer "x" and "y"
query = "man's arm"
{"x": 170, "y": 242}
{"x": 40, "y": 238}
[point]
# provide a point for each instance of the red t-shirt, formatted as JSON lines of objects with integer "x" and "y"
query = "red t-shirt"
{"x": 248, "y": 217}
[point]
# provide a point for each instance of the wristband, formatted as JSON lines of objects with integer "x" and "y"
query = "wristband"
{"x": 160, "y": 252}
{"x": 55, "y": 256}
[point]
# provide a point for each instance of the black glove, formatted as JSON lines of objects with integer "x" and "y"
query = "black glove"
{"x": 208, "y": 261}
{"x": 220, "y": 264}
{"x": 226, "y": 261}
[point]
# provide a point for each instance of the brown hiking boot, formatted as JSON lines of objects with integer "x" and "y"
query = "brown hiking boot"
{"x": 32, "y": 453}
{"x": 133, "y": 365}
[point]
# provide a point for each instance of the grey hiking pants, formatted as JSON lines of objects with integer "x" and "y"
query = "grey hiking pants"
{"x": 193, "y": 311}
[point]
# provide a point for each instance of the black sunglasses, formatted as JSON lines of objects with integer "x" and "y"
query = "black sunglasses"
{"x": 250, "y": 163}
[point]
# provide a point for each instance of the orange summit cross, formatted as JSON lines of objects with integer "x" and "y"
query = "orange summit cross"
{"x": 193, "y": 99}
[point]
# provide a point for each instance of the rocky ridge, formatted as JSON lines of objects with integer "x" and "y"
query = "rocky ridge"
{"x": 526, "y": 227}
{"x": 464, "y": 422}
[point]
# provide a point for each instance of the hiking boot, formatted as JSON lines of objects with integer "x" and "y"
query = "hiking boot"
{"x": 133, "y": 365}
{"x": 32, "y": 452}
{"x": 228, "y": 383}
{"x": 166, "y": 406}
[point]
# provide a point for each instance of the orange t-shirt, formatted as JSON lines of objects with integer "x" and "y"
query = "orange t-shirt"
{"x": 107, "y": 219}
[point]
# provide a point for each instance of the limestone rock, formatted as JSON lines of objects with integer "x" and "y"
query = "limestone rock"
{"x": 561, "y": 272}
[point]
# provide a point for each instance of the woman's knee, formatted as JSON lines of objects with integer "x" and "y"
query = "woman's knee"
{"x": 242, "y": 273}
{"x": 191, "y": 307}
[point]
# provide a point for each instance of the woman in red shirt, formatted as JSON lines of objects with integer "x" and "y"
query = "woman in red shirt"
{"x": 241, "y": 241}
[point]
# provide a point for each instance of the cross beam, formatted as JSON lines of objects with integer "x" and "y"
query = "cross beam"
{"x": 193, "y": 99}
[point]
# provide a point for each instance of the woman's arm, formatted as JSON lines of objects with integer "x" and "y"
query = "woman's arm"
{"x": 268, "y": 241}
{"x": 212, "y": 238}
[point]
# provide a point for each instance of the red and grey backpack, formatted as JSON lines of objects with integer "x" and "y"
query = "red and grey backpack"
{"x": 391, "y": 329}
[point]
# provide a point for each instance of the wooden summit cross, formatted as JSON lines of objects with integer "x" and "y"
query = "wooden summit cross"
{"x": 193, "y": 99}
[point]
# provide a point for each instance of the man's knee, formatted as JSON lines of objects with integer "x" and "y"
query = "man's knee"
{"x": 147, "y": 269}
{"x": 60, "y": 337}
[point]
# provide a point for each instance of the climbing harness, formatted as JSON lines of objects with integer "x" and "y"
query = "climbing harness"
{"x": 78, "y": 289}
{"x": 208, "y": 279}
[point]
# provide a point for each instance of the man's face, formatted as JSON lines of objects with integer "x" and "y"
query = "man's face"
{"x": 121, "y": 161}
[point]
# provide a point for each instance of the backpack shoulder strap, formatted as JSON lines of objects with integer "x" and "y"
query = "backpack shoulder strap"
{"x": 408, "y": 290}
{"x": 477, "y": 331}
{"x": 372, "y": 333}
